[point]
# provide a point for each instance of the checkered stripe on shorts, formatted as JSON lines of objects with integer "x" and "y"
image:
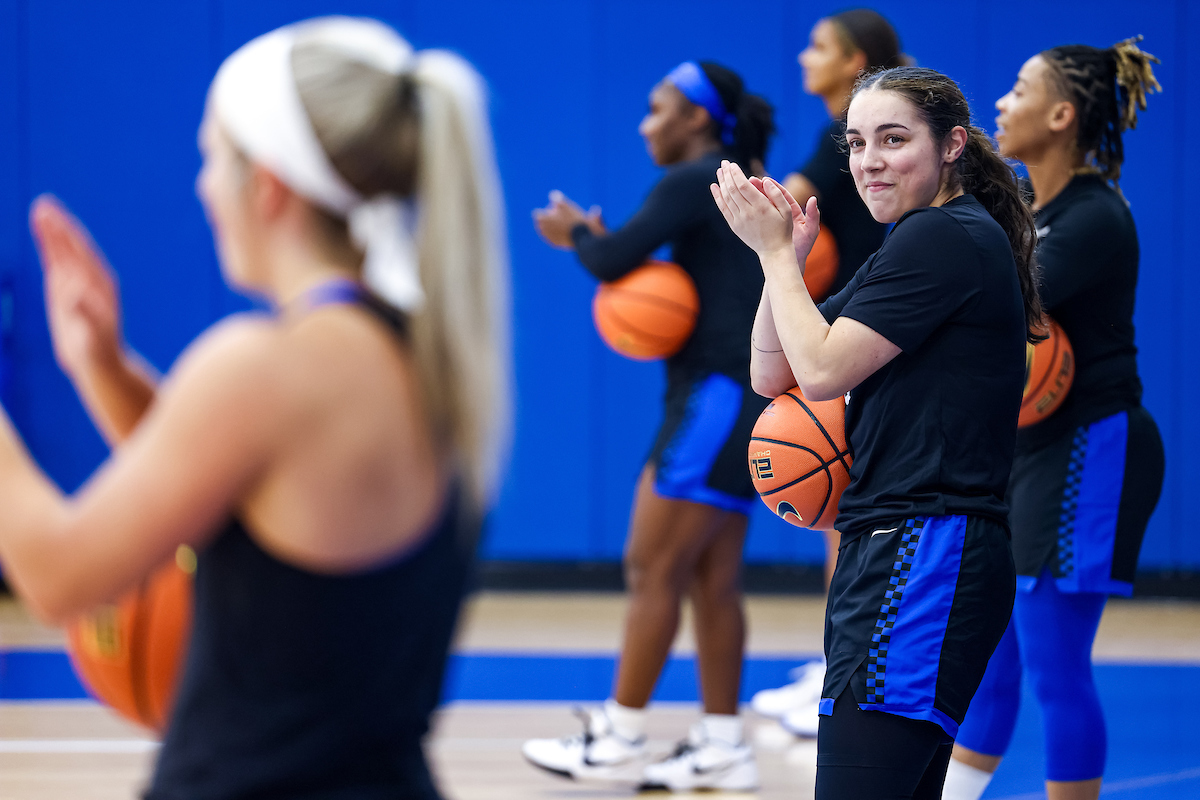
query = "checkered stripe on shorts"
{"x": 1070, "y": 503}
{"x": 882, "y": 637}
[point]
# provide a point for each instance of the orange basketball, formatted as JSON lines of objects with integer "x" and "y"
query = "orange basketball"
{"x": 1049, "y": 370}
{"x": 130, "y": 655}
{"x": 649, "y": 313}
{"x": 821, "y": 266}
{"x": 799, "y": 458}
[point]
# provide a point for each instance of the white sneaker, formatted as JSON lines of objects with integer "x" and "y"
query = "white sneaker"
{"x": 803, "y": 721}
{"x": 805, "y": 689}
{"x": 698, "y": 763}
{"x": 596, "y": 754}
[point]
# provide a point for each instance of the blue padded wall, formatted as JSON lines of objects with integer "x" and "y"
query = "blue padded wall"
{"x": 99, "y": 103}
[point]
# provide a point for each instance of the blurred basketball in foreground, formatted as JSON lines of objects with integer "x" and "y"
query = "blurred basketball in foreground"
{"x": 799, "y": 458}
{"x": 821, "y": 266}
{"x": 1049, "y": 370}
{"x": 130, "y": 655}
{"x": 649, "y": 313}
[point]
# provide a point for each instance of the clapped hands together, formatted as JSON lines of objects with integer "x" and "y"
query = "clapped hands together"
{"x": 556, "y": 221}
{"x": 764, "y": 214}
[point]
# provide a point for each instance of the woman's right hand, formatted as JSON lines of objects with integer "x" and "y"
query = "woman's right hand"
{"x": 556, "y": 221}
{"x": 82, "y": 305}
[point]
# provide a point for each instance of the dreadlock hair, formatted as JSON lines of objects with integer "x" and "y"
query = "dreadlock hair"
{"x": 1107, "y": 88}
{"x": 979, "y": 171}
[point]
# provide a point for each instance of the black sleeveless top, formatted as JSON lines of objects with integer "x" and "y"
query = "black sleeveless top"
{"x": 302, "y": 685}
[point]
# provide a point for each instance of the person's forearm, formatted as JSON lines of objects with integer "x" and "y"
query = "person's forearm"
{"x": 117, "y": 394}
{"x": 770, "y": 372}
{"x": 32, "y": 508}
{"x": 799, "y": 325}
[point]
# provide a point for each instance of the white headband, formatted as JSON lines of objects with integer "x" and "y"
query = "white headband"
{"x": 255, "y": 97}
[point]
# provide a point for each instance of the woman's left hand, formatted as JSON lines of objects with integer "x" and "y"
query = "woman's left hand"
{"x": 556, "y": 221}
{"x": 763, "y": 214}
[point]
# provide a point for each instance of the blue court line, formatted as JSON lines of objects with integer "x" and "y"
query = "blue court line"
{"x": 1120, "y": 787}
{"x": 1152, "y": 709}
{"x": 47, "y": 675}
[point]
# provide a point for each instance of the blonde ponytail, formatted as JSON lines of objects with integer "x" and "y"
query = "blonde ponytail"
{"x": 461, "y": 336}
{"x": 424, "y": 135}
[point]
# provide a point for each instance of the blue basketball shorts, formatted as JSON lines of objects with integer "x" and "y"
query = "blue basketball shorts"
{"x": 700, "y": 452}
{"x": 1080, "y": 504}
{"x": 915, "y": 609}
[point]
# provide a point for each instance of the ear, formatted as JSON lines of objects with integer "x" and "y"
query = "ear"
{"x": 856, "y": 62}
{"x": 266, "y": 193}
{"x": 1060, "y": 116}
{"x": 698, "y": 119}
{"x": 956, "y": 142}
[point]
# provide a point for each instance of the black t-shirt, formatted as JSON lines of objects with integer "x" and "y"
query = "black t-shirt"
{"x": 843, "y": 212}
{"x": 1088, "y": 251}
{"x": 933, "y": 430}
{"x": 680, "y": 211}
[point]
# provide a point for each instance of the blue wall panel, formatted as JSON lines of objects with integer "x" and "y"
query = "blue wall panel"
{"x": 100, "y": 104}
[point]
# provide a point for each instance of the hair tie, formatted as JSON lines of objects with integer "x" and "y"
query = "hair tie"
{"x": 255, "y": 98}
{"x": 694, "y": 84}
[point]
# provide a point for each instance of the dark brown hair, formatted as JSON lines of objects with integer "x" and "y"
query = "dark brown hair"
{"x": 980, "y": 170}
{"x": 755, "y": 117}
{"x": 1107, "y": 87}
{"x": 869, "y": 31}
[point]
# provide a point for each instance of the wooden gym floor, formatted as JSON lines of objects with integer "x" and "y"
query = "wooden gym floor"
{"x": 76, "y": 749}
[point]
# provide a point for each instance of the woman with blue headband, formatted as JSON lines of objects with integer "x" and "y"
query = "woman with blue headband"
{"x": 690, "y": 511}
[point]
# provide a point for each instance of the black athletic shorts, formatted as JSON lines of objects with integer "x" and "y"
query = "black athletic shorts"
{"x": 1081, "y": 503}
{"x": 700, "y": 452}
{"x": 915, "y": 610}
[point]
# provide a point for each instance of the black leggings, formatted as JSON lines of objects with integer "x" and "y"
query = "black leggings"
{"x": 871, "y": 755}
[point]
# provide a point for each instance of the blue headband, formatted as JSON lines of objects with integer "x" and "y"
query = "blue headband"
{"x": 689, "y": 79}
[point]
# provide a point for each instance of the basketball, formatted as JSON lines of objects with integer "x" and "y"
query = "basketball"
{"x": 821, "y": 266}
{"x": 649, "y": 313}
{"x": 130, "y": 655}
{"x": 1049, "y": 370}
{"x": 799, "y": 458}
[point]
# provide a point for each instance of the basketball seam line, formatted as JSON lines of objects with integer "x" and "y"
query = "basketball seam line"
{"x": 825, "y": 465}
{"x": 821, "y": 427}
{"x": 640, "y": 331}
{"x": 1033, "y": 393}
{"x": 138, "y": 678}
{"x": 659, "y": 301}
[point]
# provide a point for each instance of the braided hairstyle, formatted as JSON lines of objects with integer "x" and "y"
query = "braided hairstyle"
{"x": 979, "y": 171}
{"x": 1107, "y": 88}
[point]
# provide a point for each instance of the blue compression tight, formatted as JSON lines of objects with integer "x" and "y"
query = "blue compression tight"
{"x": 1050, "y": 637}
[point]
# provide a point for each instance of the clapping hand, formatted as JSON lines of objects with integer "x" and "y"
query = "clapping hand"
{"x": 556, "y": 221}
{"x": 764, "y": 214}
{"x": 82, "y": 305}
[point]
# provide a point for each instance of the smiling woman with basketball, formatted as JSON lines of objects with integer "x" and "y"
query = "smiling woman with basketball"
{"x": 1086, "y": 479}
{"x": 690, "y": 511}
{"x": 928, "y": 338}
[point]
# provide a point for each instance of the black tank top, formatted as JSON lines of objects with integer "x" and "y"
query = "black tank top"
{"x": 302, "y": 685}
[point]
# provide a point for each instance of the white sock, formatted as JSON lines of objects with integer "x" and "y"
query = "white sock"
{"x": 628, "y": 723}
{"x": 723, "y": 728}
{"x": 964, "y": 782}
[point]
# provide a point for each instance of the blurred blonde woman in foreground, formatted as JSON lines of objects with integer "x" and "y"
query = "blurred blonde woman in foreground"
{"x": 330, "y": 462}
